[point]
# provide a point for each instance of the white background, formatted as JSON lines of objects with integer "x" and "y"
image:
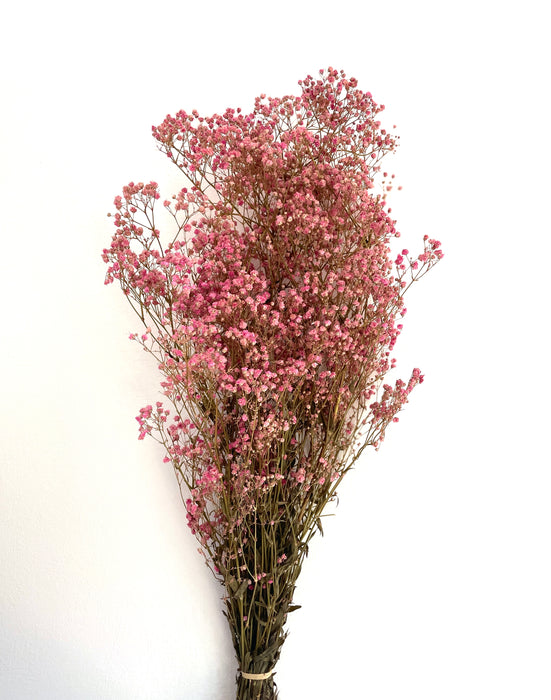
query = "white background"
{"x": 433, "y": 580}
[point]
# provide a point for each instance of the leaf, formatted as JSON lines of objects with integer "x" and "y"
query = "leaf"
{"x": 241, "y": 590}
{"x": 292, "y": 608}
{"x": 280, "y": 619}
{"x": 318, "y": 523}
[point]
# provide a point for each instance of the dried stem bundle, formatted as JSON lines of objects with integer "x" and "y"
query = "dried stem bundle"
{"x": 271, "y": 312}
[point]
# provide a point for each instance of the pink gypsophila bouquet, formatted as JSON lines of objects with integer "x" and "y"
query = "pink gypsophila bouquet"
{"x": 271, "y": 309}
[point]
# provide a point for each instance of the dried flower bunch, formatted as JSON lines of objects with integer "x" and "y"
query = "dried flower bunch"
{"x": 271, "y": 309}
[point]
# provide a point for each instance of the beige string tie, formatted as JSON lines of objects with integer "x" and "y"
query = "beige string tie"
{"x": 257, "y": 676}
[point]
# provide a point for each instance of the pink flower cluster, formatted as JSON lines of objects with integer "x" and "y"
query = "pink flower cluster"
{"x": 273, "y": 305}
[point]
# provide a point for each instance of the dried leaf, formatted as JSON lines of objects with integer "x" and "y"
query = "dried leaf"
{"x": 241, "y": 590}
{"x": 318, "y": 523}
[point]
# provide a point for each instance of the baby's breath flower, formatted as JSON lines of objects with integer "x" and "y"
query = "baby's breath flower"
{"x": 271, "y": 310}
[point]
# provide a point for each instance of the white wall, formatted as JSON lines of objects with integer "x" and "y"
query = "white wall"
{"x": 433, "y": 580}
